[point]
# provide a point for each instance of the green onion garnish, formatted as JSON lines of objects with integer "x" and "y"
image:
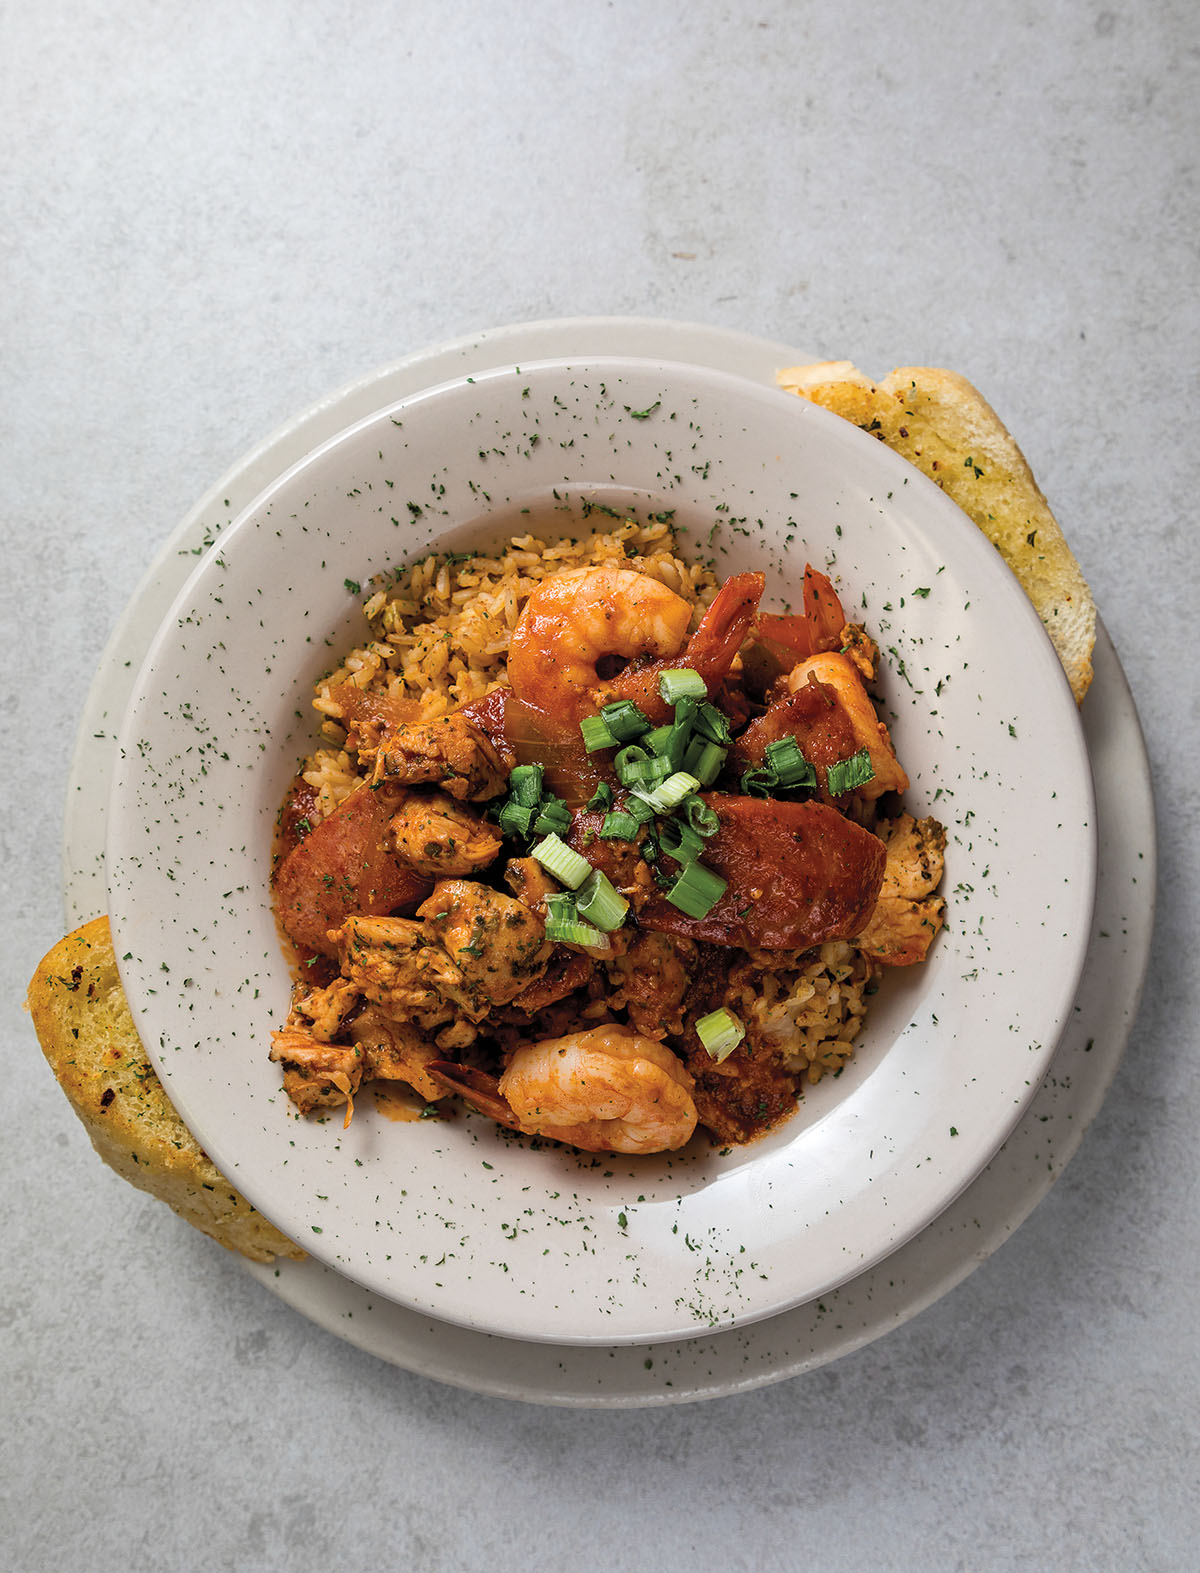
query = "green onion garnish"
{"x": 697, "y": 890}
{"x": 713, "y": 724}
{"x": 759, "y": 782}
{"x": 635, "y": 767}
{"x": 595, "y": 733}
{"x": 525, "y": 785}
{"x": 557, "y": 858}
{"x": 668, "y": 742}
{"x": 651, "y": 852}
{"x": 619, "y": 826}
{"x": 624, "y": 720}
{"x": 600, "y": 902}
{"x": 553, "y": 815}
{"x": 702, "y": 818}
{"x": 685, "y": 712}
{"x": 641, "y": 810}
{"x": 720, "y": 1032}
{"x": 704, "y": 760}
{"x": 850, "y": 773}
{"x": 681, "y": 682}
{"x": 662, "y": 799}
{"x": 602, "y": 797}
{"x": 563, "y": 925}
{"x": 789, "y": 764}
{"x": 515, "y": 819}
{"x": 680, "y": 841}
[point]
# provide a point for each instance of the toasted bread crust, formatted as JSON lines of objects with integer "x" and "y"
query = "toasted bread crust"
{"x": 87, "y": 1034}
{"x": 948, "y": 430}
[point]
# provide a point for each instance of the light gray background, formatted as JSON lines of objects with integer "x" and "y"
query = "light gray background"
{"x": 213, "y": 215}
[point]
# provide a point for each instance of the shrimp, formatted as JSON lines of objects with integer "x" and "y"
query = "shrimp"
{"x": 573, "y": 620}
{"x": 710, "y": 650}
{"x": 605, "y": 1090}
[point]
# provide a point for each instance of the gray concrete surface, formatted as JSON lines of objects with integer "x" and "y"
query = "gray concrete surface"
{"x": 213, "y": 215}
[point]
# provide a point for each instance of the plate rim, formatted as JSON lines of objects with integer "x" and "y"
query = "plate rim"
{"x": 703, "y": 345}
{"x": 883, "y": 1209}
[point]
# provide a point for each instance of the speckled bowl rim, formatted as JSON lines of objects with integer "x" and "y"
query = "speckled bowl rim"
{"x": 823, "y": 1173}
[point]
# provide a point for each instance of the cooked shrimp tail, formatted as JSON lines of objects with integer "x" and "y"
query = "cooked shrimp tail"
{"x": 724, "y": 627}
{"x": 475, "y": 1087}
{"x": 710, "y": 651}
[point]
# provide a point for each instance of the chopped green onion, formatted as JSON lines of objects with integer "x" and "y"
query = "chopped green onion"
{"x": 701, "y": 816}
{"x": 619, "y": 826}
{"x": 850, "y": 773}
{"x": 759, "y": 782}
{"x": 635, "y": 767}
{"x": 668, "y": 742}
{"x": 697, "y": 890}
{"x": 789, "y": 764}
{"x": 713, "y": 724}
{"x": 602, "y": 797}
{"x": 557, "y": 858}
{"x": 553, "y": 815}
{"x": 651, "y": 851}
{"x": 595, "y": 733}
{"x": 662, "y": 799}
{"x": 563, "y": 925}
{"x": 514, "y": 819}
{"x": 641, "y": 810}
{"x": 685, "y": 712}
{"x": 681, "y": 842}
{"x": 704, "y": 760}
{"x": 681, "y": 682}
{"x": 624, "y": 720}
{"x": 601, "y": 903}
{"x": 578, "y": 934}
{"x": 720, "y": 1032}
{"x": 525, "y": 785}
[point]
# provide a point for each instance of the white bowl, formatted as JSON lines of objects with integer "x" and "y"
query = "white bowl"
{"x": 531, "y": 1240}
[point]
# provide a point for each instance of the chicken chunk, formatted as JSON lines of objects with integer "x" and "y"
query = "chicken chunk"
{"x": 437, "y": 836}
{"x": 494, "y": 946}
{"x": 742, "y": 1096}
{"x": 839, "y": 673}
{"x": 384, "y": 958}
{"x": 651, "y": 980}
{"x": 396, "y": 1051}
{"x": 322, "y": 1012}
{"x": 315, "y": 1074}
{"x": 907, "y": 914}
{"x": 452, "y": 752}
{"x": 530, "y": 883}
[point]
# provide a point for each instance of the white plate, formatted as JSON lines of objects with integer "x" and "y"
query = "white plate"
{"x": 457, "y": 1220}
{"x": 877, "y": 1300}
